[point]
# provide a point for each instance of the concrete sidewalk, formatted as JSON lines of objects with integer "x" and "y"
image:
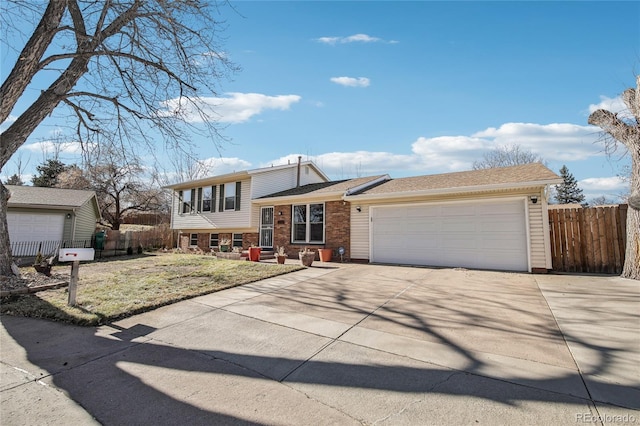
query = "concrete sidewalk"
{"x": 343, "y": 344}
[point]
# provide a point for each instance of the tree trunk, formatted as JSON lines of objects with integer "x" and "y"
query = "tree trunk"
{"x": 628, "y": 133}
{"x": 6, "y": 259}
{"x": 632, "y": 256}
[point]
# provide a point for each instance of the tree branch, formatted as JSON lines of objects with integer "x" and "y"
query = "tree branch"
{"x": 28, "y": 61}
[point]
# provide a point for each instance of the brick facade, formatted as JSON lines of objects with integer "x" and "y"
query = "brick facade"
{"x": 337, "y": 216}
{"x": 204, "y": 239}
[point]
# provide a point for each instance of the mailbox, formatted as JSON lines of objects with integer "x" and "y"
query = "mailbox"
{"x": 73, "y": 254}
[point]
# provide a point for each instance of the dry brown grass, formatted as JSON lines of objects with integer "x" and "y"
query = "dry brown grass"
{"x": 116, "y": 289}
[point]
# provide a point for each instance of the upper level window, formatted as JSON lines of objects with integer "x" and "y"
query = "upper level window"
{"x": 230, "y": 196}
{"x": 186, "y": 200}
{"x": 308, "y": 223}
{"x": 207, "y": 199}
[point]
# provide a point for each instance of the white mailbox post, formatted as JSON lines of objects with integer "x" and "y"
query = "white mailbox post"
{"x": 74, "y": 255}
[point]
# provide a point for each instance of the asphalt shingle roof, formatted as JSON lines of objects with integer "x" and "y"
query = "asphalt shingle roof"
{"x": 522, "y": 174}
{"x": 41, "y": 197}
{"x": 336, "y": 186}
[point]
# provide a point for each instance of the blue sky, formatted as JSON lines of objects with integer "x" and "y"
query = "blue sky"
{"x": 412, "y": 88}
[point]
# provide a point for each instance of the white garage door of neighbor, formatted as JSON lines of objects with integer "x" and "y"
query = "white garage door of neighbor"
{"x": 483, "y": 235}
{"x": 35, "y": 226}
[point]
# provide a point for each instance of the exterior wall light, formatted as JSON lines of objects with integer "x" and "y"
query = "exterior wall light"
{"x": 534, "y": 199}
{"x": 359, "y": 209}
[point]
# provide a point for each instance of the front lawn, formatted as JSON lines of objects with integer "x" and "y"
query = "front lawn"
{"x": 114, "y": 289}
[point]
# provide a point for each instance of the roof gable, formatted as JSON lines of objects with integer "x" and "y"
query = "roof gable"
{"x": 243, "y": 174}
{"x": 336, "y": 187}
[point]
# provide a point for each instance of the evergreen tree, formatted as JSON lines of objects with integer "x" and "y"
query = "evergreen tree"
{"x": 568, "y": 191}
{"x": 14, "y": 179}
{"x": 49, "y": 171}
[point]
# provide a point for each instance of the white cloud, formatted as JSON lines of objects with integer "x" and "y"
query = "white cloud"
{"x": 556, "y": 141}
{"x": 351, "y": 81}
{"x": 342, "y": 165}
{"x": 52, "y": 147}
{"x": 223, "y": 165}
{"x": 612, "y": 188}
{"x": 609, "y": 184}
{"x": 559, "y": 142}
{"x": 234, "y": 108}
{"x": 355, "y": 38}
{"x": 610, "y": 104}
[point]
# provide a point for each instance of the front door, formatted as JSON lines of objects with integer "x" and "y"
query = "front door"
{"x": 266, "y": 227}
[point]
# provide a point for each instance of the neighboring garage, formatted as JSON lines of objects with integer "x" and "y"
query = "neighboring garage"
{"x": 48, "y": 218}
{"x": 483, "y": 219}
{"x": 35, "y": 226}
{"x": 487, "y": 234}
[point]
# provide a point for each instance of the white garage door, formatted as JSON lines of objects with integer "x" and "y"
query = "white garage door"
{"x": 35, "y": 226}
{"x": 483, "y": 235}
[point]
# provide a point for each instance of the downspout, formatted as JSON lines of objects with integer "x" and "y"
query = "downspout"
{"x": 298, "y": 180}
{"x": 73, "y": 225}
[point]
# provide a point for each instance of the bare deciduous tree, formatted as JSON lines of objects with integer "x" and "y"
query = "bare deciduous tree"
{"x": 507, "y": 155}
{"x": 119, "y": 67}
{"x": 626, "y": 130}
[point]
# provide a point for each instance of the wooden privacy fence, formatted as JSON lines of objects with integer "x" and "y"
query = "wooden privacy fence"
{"x": 591, "y": 239}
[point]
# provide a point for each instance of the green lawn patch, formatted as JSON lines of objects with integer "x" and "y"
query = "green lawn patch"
{"x": 115, "y": 289}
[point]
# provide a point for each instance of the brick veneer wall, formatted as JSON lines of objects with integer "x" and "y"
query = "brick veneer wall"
{"x": 204, "y": 239}
{"x": 337, "y": 229}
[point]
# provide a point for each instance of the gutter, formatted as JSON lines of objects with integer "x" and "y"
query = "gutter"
{"x": 365, "y": 185}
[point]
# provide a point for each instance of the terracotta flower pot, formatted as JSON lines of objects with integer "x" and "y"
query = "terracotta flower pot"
{"x": 325, "y": 254}
{"x": 254, "y": 254}
{"x": 281, "y": 259}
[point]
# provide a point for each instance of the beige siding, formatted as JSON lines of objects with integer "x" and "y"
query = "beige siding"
{"x": 359, "y": 231}
{"x": 538, "y": 237}
{"x": 308, "y": 175}
{"x": 86, "y": 217}
{"x": 279, "y": 180}
{"x": 538, "y": 232}
{"x": 216, "y": 220}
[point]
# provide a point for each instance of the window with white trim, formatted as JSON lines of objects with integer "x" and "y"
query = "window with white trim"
{"x": 237, "y": 240}
{"x": 308, "y": 223}
{"x": 186, "y": 200}
{"x": 193, "y": 240}
{"x": 214, "y": 240}
{"x": 207, "y": 199}
{"x": 229, "y": 197}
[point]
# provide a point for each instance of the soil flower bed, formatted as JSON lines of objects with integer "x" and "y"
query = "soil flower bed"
{"x": 118, "y": 288}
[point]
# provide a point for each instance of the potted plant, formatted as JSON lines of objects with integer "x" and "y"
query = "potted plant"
{"x": 281, "y": 255}
{"x": 254, "y": 253}
{"x": 225, "y": 243}
{"x": 306, "y": 256}
{"x": 325, "y": 254}
{"x": 41, "y": 264}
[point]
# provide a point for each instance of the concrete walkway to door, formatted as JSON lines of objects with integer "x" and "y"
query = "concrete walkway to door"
{"x": 343, "y": 344}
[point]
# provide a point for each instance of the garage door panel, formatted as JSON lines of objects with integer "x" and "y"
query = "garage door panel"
{"x": 35, "y": 226}
{"x": 489, "y": 235}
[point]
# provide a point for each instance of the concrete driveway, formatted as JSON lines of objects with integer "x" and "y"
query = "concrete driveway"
{"x": 343, "y": 344}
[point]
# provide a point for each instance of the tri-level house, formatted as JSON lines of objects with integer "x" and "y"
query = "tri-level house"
{"x": 218, "y": 208}
{"x": 485, "y": 219}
